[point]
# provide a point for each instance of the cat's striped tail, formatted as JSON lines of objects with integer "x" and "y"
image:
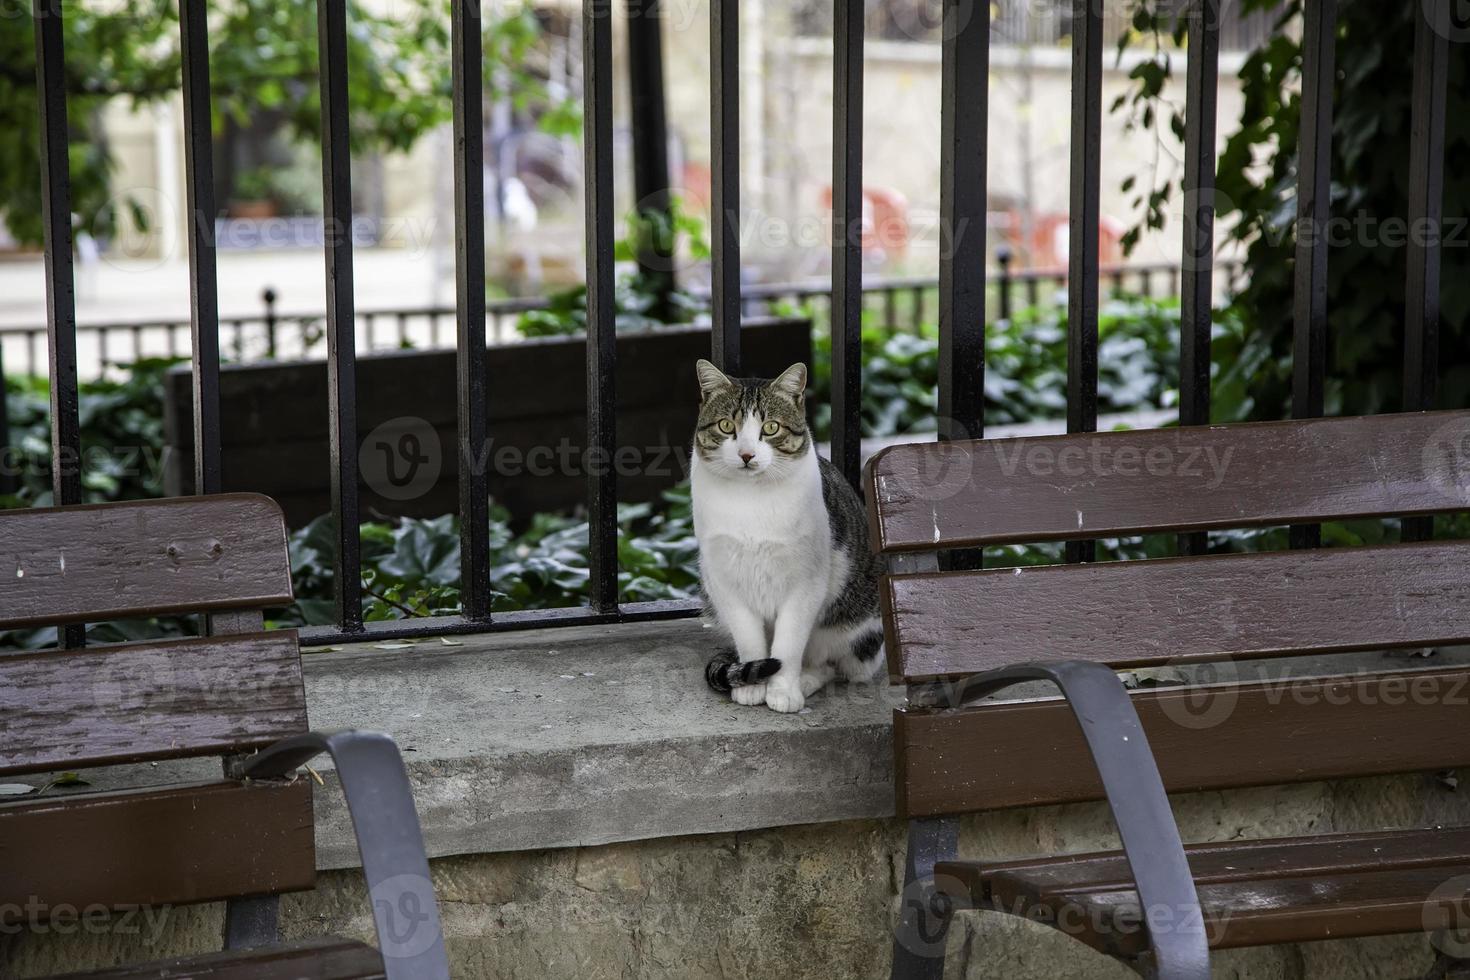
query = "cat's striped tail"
{"x": 725, "y": 671}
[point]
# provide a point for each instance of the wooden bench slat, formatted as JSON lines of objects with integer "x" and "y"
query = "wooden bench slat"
{"x": 1263, "y": 913}
{"x": 135, "y": 702}
{"x": 322, "y": 959}
{"x": 1141, "y": 613}
{"x": 151, "y": 847}
{"x": 110, "y": 561}
{"x": 1120, "y": 483}
{"x": 1220, "y": 862}
{"x": 1017, "y": 754}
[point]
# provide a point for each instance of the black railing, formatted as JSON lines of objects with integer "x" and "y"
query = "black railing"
{"x": 892, "y": 303}
{"x": 962, "y": 293}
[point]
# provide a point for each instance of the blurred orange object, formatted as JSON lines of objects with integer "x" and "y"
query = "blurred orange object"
{"x": 885, "y": 221}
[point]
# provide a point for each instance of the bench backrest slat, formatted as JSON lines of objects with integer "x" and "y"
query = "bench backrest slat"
{"x": 111, "y": 561}
{"x": 135, "y": 702}
{"x": 1142, "y": 613}
{"x": 1214, "y": 737}
{"x": 156, "y": 847}
{"x": 1050, "y": 488}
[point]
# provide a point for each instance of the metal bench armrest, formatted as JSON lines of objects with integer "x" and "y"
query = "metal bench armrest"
{"x": 389, "y": 841}
{"x": 1140, "y": 806}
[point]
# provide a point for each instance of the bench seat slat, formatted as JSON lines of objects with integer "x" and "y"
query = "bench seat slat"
{"x": 322, "y": 959}
{"x": 175, "y": 845}
{"x": 1031, "y": 753}
{"x": 136, "y": 702}
{"x": 1221, "y": 863}
{"x": 1143, "y": 613}
{"x": 142, "y": 558}
{"x": 1005, "y": 491}
{"x": 1264, "y": 912}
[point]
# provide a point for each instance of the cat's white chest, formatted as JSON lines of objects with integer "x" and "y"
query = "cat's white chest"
{"x": 762, "y": 543}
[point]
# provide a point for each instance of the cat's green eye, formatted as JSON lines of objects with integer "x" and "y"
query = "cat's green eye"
{"x": 770, "y": 428}
{"x": 727, "y": 426}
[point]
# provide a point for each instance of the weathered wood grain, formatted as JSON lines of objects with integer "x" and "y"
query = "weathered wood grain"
{"x": 134, "y": 702}
{"x": 1265, "y": 912}
{"x": 1180, "y": 610}
{"x": 1003, "y": 755}
{"x": 1221, "y": 862}
{"x": 321, "y": 959}
{"x": 154, "y": 847}
{"x": 110, "y": 561}
{"x": 1053, "y": 488}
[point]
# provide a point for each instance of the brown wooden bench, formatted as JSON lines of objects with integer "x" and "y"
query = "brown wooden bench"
{"x": 237, "y": 694}
{"x": 956, "y": 636}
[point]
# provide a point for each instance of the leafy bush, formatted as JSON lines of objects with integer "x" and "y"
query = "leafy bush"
{"x": 411, "y": 568}
{"x": 1026, "y": 367}
{"x": 122, "y": 436}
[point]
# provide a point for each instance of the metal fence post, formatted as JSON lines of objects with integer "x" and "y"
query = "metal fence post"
{"x": 1004, "y": 257}
{"x": 268, "y": 296}
{"x": 9, "y": 464}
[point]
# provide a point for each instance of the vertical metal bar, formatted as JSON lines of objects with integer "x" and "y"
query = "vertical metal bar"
{"x": 964, "y": 116}
{"x": 917, "y": 319}
{"x": 469, "y": 253}
{"x": 269, "y": 298}
{"x": 597, "y": 137}
{"x": 61, "y": 310}
{"x": 1083, "y": 271}
{"x": 1314, "y": 208}
{"x": 964, "y": 110}
{"x": 203, "y": 271}
{"x": 725, "y": 181}
{"x": 1004, "y": 257}
{"x": 10, "y": 457}
{"x": 340, "y": 321}
{"x": 1196, "y": 301}
{"x": 1426, "y": 214}
{"x": 650, "y": 139}
{"x": 61, "y": 315}
{"x": 847, "y": 236}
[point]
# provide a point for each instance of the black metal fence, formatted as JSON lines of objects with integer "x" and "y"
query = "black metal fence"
{"x": 962, "y": 293}
{"x": 891, "y": 303}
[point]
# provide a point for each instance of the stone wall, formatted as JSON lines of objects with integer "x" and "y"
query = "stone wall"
{"x": 794, "y": 903}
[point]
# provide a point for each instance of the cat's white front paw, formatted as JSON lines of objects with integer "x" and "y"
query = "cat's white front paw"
{"x": 813, "y": 681}
{"x": 749, "y": 694}
{"x": 784, "y": 698}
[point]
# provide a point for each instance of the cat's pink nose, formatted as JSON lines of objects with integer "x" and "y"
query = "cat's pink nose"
{"x": 747, "y": 457}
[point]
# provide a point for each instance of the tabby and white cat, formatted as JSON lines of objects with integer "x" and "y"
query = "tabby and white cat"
{"x": 783, "y": 546}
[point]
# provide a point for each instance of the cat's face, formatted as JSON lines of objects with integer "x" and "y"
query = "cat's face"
{"x": 750, "y": 429}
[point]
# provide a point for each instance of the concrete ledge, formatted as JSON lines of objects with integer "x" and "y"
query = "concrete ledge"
{"x": 570, "y": 737}
{"x": 591, "y": 735}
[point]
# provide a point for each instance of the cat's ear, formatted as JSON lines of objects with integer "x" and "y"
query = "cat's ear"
{"x": 792, "y": 381}
{"x": 711, "y": 378}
